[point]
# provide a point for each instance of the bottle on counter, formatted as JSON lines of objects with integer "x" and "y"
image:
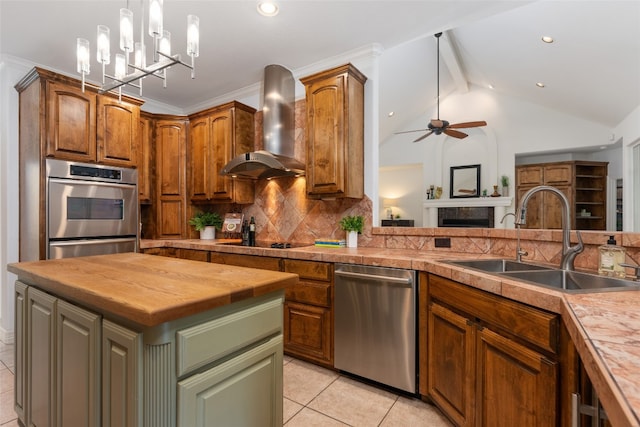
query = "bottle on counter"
{"x": 611, "y": 256}
{"x": 245, "y": 233}
{"x": 252, "y": 232}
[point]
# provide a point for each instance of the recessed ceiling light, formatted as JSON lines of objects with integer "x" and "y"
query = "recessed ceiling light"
{"x": 547, "y": 39}
{"x": 267, "y": 8}
{"x": 491, "y": 86}
{"x": 391, "y": 113}
{"x": 540, "y": 84}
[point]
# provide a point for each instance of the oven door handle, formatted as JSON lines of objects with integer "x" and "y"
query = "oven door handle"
{"x": 375, "y": 277}
{"x": 91, "y": 183}
{"x": 98, "y": 241}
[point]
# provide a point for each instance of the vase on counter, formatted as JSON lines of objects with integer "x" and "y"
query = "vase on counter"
{"x": 505, "y": 191}
{"x": 352, "y": 239}
{"x": 209, "y": 233}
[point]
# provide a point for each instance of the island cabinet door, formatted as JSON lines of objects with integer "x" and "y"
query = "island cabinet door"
{"x": 516, "y": 385}
{"x": 20, "y": 389}
{"x": 78, "y": 367}
{"x": 121, "y": 382}
{"x": 213, "y": 396}
{"x": 41, "y": 393}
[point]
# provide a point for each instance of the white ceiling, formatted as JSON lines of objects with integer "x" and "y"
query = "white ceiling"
{"x": 591, "y": 71}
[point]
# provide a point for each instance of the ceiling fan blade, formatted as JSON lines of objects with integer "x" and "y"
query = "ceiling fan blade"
{"x": 455, "y": 133}
{"x": 423, "y": 136}
{"x": 468, "y": 125}
{"x": 409, "y": 131}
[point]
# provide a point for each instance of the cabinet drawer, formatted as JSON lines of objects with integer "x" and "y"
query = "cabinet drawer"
{"x": 253, "y": 261}
{"x": 309, "y": 269}
{"x": 205, "y": 343}
{"x": 537, "y": 327}
{"x": 317, "y": 293}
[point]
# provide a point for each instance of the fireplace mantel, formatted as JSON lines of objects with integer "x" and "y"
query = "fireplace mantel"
{"x": 500, "y": 204}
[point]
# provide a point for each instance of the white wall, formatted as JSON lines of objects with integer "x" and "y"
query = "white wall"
{"x": 400, "y": 187}
{"x": 10, "y": 73}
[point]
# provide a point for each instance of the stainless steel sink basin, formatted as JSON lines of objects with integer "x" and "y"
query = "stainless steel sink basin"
{"x": 498, "y": 265}
{"x": 573, "y": 281}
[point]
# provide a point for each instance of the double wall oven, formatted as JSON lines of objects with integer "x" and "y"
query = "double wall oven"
{"x": 91, "y": 209}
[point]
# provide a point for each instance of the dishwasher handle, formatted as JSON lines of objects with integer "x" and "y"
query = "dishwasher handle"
{"x": 396, "y": 280}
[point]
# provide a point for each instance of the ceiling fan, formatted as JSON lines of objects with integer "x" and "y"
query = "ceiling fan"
{"x": 438, "y": 126}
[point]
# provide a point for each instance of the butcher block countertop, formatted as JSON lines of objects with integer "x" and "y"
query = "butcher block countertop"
{"x": 148, "y": 290}
{"x": 604, "y": 326}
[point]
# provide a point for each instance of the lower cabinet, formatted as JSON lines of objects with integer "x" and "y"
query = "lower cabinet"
{"x": 490, "y": 361}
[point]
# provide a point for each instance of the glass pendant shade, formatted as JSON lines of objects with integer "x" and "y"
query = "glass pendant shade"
{"x": 193, "y": 36}
{"x": 121, "y": 66}
{"x": 126, "y": 30}
{"x": 103, "y": 51}
{"x": 165, "y": 43}
{"x": 140, "y": 55}
{"x": 155, "y": 18}
{"x": 83, "y": 56}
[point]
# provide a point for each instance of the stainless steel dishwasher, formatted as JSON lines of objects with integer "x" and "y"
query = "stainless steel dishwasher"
{"x": 375, "y": 324}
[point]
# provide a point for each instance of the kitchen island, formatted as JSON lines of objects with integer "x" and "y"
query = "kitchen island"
{"x": 133, "y": 339}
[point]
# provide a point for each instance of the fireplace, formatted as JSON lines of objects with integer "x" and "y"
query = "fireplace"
{"x": 468, "y": 216}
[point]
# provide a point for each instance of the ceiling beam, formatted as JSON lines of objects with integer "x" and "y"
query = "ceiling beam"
{"x": 452, "y": 61}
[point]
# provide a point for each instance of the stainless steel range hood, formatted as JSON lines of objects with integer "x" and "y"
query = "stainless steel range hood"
{"x": 276, "y": 160}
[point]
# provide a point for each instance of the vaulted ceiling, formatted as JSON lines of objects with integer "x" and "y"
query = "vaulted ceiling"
{"x": 592, "y": 70}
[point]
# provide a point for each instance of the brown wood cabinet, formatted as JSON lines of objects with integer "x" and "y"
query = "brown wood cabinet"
{"x": 308, "y": 312}
{"x": 216, "y": 136}
{"x": 335, "y": 133}
{"x": 171, "y": 201}
{"x": 489, "y": 360}
{"x": 584, "y": 183}
{"x": 146, "y": 157}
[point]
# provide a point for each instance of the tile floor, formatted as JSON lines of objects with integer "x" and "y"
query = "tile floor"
{"x": 313, "y": 396}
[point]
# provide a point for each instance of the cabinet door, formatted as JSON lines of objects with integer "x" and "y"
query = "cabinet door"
{"x": 78, "y": 367}
{"x": 117, "y": 132}
{"x": 220, "y": 132}
{"x": 41, "y": 392}
{"x": 170, "y": 171}
{"x": 21, "y": 355}
{"x": 199, "y": 153}
{"x": 307, "y": 332}
{"x": 71, "y": 118}
{"x": 211, "y": 397}
{"x": 325, "y": 136}
{"x": 121, "y": 376}
{"x": 145, "y": 161}
{"x": 451, "y": 363}
{"x": 553, "y": 209}
{"x": 516, "y": 385}
{"x": 535, "y": 208}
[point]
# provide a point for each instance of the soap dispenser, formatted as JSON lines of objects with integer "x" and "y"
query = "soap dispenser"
{"x": 611, "y": 258}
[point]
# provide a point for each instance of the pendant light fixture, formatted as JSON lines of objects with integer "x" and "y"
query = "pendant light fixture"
{"x": 131, "y": 73}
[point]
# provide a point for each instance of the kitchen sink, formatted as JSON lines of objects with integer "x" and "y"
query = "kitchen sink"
{"x": 572, "y": 281}
{"x": 498, "y": 265}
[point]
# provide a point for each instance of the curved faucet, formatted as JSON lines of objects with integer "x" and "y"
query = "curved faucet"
{"x": 569, "y": 252}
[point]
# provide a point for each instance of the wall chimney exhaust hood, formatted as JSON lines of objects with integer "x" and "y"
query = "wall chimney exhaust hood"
{"x": 276, "y": 160}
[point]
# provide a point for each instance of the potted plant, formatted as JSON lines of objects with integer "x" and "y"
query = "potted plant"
{"x": 206, "y": 223}
{"x": 504, "y": 180}
{"x": 352, "y": 225}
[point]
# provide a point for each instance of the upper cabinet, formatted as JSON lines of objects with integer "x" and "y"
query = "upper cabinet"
{"x": 80, "y": 126}
{"x": 216, "y": 136}
{"x": 335, "y": 133}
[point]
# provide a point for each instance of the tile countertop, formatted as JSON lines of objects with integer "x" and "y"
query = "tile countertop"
{"x": 147, "y": 290}
{"x": 604, "y": 326}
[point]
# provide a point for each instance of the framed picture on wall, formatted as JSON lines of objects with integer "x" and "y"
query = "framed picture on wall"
{"x": 465, "y": 181}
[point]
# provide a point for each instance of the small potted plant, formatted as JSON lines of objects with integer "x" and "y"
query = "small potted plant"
{"x": 206, "y": 223}
{"x": 504, "y": 180}
{"x": 352, "y": 225}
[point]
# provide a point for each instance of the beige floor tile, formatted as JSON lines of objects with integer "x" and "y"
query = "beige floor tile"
{"x": 310, "y": 418}
{"x": 6, "y": 407}
{"x": 303, "y": 381}
{"x": 13, "y": 423}
{"x": 414, "y": 413}
{"x": 354, "y": 403}
{"x": 6, "y": 379}
{"x": 290, "y": 408}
